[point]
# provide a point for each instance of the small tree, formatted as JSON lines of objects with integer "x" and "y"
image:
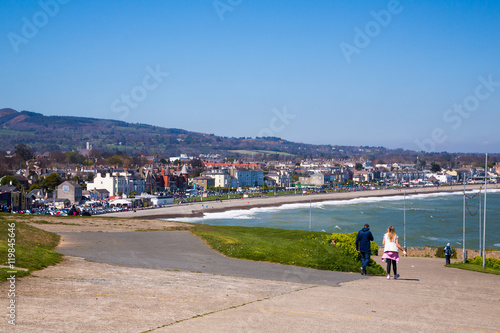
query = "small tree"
{"x": 34, "y": 187}
{"x": 24, "y": 151}
{"x": 8, "y": 179}
{"x": 51, "y": 181}
{"x": 74, "y": 158}
{"x": 435, "y": 167}
{"x": 196, "y": 163}
{"x": 115, "y": 159}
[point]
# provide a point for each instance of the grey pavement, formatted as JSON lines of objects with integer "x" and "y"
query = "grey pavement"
{"x": 182, "y": 251}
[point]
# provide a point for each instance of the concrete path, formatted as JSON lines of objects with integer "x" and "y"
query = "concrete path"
{"x": 82, "y": 296}
{"x": 180, "y": 250}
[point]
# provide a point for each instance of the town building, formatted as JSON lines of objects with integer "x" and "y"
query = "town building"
{"x": 204, "y": 182}
{"x": 69, "y": 190}
{"x": 172, "y": 181}
{"x": 247, "y": 177}
{"x": 281, "y": 178}
{"x": 118, "y": 183}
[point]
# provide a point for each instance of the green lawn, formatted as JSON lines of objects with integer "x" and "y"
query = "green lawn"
{"x": 290, "y": 247}
{"x": 33, "y": 247}
{"x": 492, "y": 265}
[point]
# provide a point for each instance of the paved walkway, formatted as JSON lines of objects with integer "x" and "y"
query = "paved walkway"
{"x": 181, "y": 250}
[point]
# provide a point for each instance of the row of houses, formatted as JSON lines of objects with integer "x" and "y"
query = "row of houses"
{"x": 218, "y": 174}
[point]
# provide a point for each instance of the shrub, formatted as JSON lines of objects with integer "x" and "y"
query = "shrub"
{"x": 489, "y": 262}
{"x": 347, "y": 245}
{"x": 347, "y": 242}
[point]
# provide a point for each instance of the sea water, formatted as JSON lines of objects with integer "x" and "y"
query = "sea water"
{"x": 419, "y": 219}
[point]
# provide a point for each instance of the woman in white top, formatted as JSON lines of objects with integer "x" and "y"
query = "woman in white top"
{"x": 391, "y": 254}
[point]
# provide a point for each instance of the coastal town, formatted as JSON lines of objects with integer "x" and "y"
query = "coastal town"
{"x": 80, "y": 188}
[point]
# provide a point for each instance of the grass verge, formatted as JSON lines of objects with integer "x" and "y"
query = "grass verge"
{"x": 33, "y": 248}
{"x": 289, "y": 247}
{"x": 492, "y": 265}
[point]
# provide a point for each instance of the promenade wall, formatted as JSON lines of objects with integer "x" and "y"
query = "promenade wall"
{"x": 430, "y": 251}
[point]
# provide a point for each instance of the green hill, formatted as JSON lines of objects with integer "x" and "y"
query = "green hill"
{"x": 46, "y": 133}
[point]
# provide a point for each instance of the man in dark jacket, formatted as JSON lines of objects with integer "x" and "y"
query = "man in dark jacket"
{"x": 363, "y": 246}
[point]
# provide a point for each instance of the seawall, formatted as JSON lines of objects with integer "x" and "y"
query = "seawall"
{"x": 430, "y": 252}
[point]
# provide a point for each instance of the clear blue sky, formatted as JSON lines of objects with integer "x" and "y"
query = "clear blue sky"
{"x": 326, "y": 72}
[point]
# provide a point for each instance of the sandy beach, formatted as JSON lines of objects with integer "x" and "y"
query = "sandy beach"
{"x": 198, "y": 208}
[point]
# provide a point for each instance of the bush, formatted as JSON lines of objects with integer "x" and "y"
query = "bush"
{"x": 489, "y": 262}
{"x": 440, "y": 252}
{"x": 347, "y": 244}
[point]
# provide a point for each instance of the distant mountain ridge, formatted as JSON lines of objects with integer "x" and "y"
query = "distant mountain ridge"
{"x": 46, "y": 133}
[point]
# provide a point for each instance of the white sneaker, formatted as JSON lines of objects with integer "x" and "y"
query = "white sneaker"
{"x": 388, "y": 277}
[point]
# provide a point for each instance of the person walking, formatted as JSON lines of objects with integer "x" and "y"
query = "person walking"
{"x": 448, "y": 252}
{"x": 363, "y": 246}
{"x": 391, "y": 254}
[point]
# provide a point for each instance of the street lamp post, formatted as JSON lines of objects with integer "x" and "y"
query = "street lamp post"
{"x": 484, "y": 215}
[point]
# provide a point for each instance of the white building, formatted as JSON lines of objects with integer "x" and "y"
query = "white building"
{"x": 117, "y": 182}
{"x": 442, "y": 177}
{"x": 317, "y": 179}
{"x": 181, "y": 158}
{"x": 281, "y": 178}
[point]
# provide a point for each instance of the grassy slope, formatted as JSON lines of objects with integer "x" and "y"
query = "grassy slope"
{"x": 289, "y": 247}
{"x": 34, "y": 248}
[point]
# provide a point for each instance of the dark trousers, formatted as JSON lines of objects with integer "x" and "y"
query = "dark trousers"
{"x": 448, "y": 256}
{"x": 365, "y": 259}
{"x": 394, "y": 266}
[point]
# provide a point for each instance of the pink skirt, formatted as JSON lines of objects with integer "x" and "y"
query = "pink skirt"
{"x": 390, "y": 255}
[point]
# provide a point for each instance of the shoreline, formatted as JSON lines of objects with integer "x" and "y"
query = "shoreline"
{"x": 197, "y": 209}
